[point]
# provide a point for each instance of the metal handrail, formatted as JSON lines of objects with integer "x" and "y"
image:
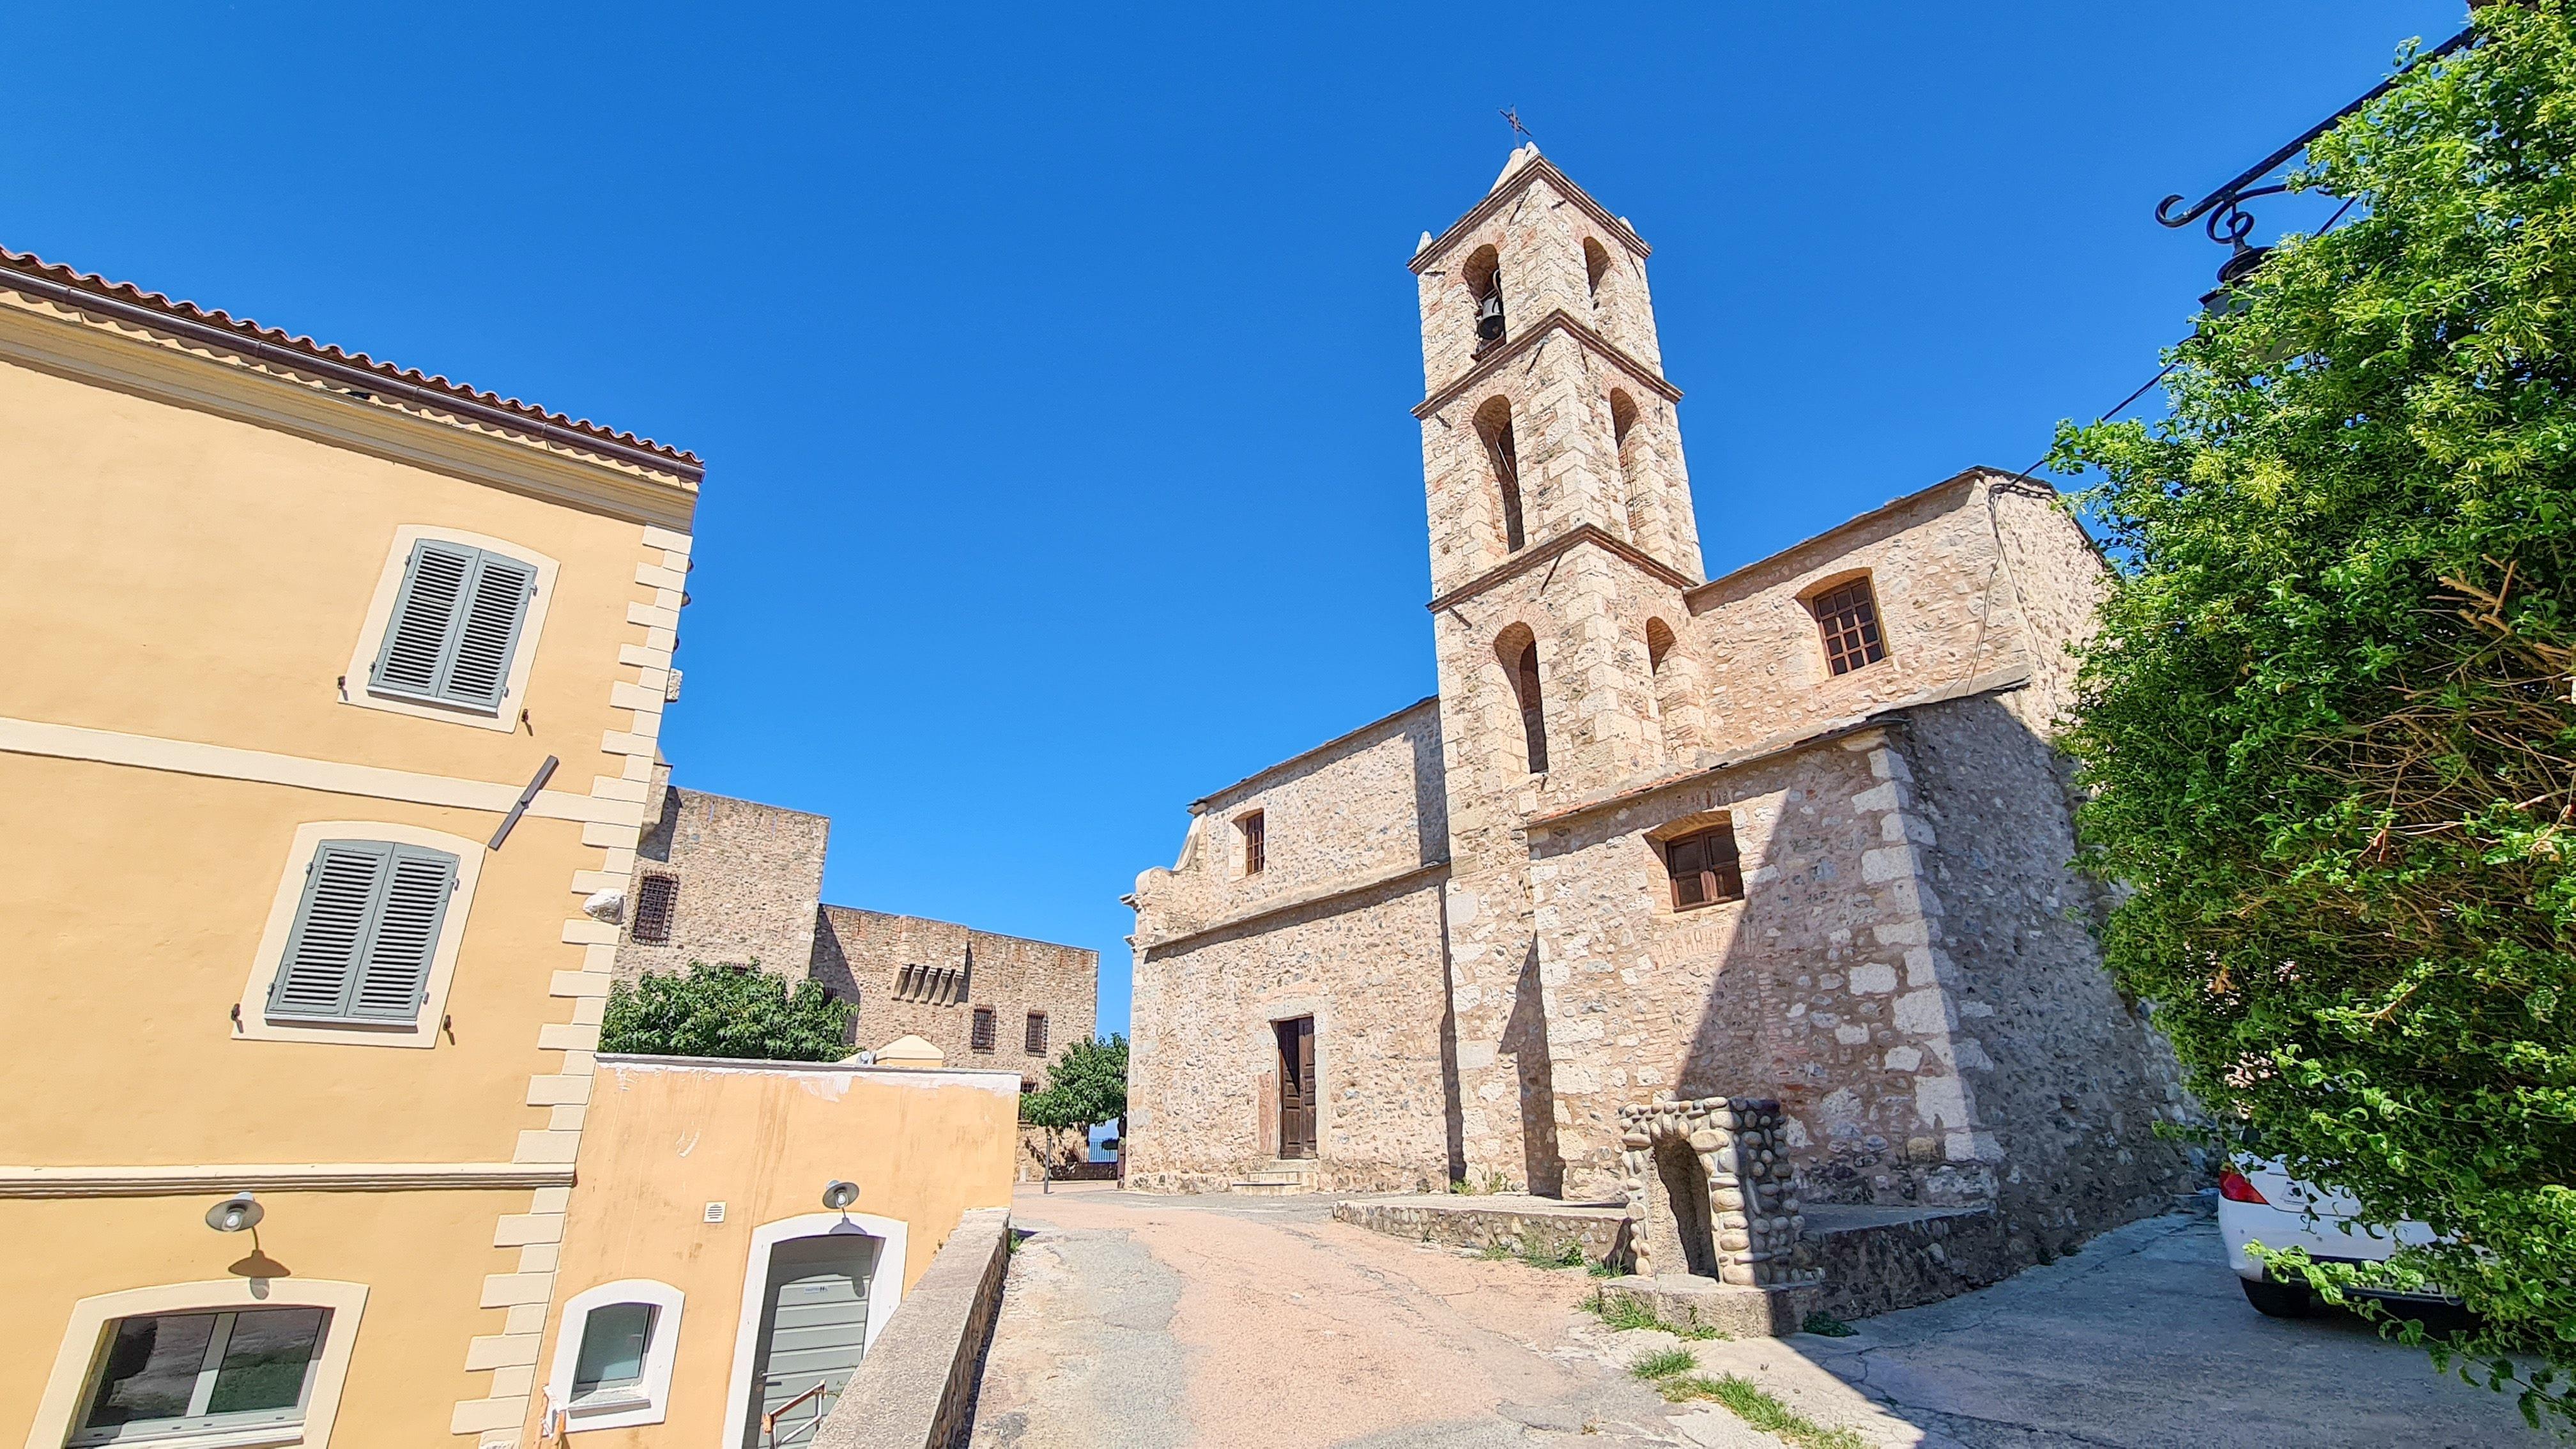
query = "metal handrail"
{"x": 769, "y": 1420}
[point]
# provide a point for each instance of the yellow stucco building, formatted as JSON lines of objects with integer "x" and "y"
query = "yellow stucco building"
{"x": 294, "y": 907}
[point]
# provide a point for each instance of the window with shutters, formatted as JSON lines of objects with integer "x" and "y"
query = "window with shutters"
{"x": 1704, "y": 867}
{"x": 452, "y": 628}
{"x": 363, "y": 936}
{"x": 455, "y": 625}
{"x": 981, "y": 1037}
{"x": 1848, "y": 615}
{"x": 657, "y": 903}
{"x": 1035, "y": 1043}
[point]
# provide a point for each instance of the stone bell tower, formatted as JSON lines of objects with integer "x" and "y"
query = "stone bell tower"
{"x": 1562, "y": 540}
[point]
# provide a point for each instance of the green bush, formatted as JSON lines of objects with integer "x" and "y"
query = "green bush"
{"x": 2326, "y": 735}
{"x": 726, "y": 1011}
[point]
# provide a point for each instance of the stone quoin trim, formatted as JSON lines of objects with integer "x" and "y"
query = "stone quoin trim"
{"x": 510, "y": 1356}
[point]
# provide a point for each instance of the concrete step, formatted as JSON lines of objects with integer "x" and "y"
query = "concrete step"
{"x": 1278, "y": 1179}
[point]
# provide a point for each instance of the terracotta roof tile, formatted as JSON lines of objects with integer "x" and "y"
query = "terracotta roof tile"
{"x": 471, "y": 400}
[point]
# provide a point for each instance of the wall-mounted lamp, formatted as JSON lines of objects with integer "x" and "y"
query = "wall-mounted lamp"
{"x": 837, "y": 1195}
{"x": 235, "y": 1214}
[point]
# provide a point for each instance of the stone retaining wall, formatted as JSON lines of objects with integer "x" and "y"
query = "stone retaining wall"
{"x": 916, "y": 1387}
{"x": 1873, "y": 1268}
{"x": 1522, "y": 1225}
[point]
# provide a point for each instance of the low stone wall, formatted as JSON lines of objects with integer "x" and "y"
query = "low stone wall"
{"x": 1540, "y": 1227}
{"x": 1877, "y": 1260}
{"x": 916, "y": 1387}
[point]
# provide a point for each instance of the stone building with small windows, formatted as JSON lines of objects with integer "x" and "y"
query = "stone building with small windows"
{"x": 736, "y": 883}
{"x": 1794, "y": 832}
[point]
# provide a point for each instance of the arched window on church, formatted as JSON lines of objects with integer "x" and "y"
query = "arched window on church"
{"x": 1596, "y": 265}
{"x": 1672, "y": 683}
{"x": 1494, "y": 428}
{"x": 1483, "y": 277}
{"x": 1631, "y": 443}
{"x": 1518, "y": 649}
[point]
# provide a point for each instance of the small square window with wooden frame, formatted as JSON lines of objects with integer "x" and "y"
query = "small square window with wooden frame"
{"x": 1704, "y": 867}
{"x": 1256, "y": 854}
{"x": 1848, "y": 616}
{"x": 980, "y": 1037}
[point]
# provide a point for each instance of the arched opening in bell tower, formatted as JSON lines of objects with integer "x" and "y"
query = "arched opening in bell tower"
{"x": 1518, "y": 650}
{"x": 1494, "y": 428}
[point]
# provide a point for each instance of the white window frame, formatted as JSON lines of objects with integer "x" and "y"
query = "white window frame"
{"x": 251, "y": 1021}
{"x": 649, "y": 1401}
{"x": 77, "y": 1360}
{"x": 380, "y": 614}
{"x": 885, "y": 1288}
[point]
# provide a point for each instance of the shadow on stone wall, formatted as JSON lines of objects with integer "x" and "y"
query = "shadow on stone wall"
{"x": 1525, "y": 1037}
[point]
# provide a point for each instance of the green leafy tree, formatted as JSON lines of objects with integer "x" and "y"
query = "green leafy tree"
{"x": 2326, "y": 730}
{"x": 725, "y": 1011}
{"x": 1085, "y": 1087}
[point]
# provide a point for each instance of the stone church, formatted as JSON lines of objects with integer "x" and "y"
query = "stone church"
{"x": 1794, "y": 832}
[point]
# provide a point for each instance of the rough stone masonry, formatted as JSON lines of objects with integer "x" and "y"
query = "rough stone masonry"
{"x": 1795, "y": 833}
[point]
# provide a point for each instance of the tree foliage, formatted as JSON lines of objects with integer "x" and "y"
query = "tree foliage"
{"x": 726, "y": 1011}
{"x": 1085, "y": 1087}
{"x": 2327, "y": 729}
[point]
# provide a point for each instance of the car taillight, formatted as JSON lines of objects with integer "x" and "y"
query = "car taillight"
{"x": 2233, "y": 1186}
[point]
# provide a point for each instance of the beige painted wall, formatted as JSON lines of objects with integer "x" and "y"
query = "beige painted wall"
{"x": 179, "y": 578}
{"x": 413, "y": 1250}
{"x": 137, "y": 899}
{"x": 664, "y": 1141}
{"x": 180, "y": 574}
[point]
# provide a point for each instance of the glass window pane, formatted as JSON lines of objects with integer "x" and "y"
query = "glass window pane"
{"x": 151, "y": 1369}
{"x": 264, "y": 1362}
{"x": 612, "y": 1347}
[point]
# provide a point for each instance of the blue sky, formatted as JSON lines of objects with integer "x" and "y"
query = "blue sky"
{"x": 1052, "y": 367}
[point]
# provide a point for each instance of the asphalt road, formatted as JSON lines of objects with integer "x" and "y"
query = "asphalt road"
{"x": 1136, "y": 1322}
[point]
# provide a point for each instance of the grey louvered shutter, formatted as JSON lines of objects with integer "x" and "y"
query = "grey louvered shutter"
{"x": 342, "y": 886}
{"x": 420, "y": 636}
{"x": 495, "y": 605}
{"x": 394, "y": 977}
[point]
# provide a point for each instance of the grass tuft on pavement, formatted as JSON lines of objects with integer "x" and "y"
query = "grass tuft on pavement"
{"x": 1745, "y": 1399}
{"x": 1618, "y": 1310}
{"x": 1664, "y": 1365}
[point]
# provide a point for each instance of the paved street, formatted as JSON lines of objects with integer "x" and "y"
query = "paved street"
{"x": 1135, "y": 1322}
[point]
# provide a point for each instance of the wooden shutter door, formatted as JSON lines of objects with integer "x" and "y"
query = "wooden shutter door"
{"x": 332, "y": 924}
{"x": 495, "y": 605}
{"x": 394, "y": 979}
{"x": 416, "y": 639}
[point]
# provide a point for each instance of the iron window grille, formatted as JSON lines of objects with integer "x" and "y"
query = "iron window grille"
{"x": 657, "y": 901}
{"x": 1035, "y": 1044}
{"x": 981, "y": 1038}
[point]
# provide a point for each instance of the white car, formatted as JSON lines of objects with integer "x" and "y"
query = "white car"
{"x": 2259, "y": 1203}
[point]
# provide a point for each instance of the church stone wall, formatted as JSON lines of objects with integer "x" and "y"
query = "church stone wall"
{"x": 1344, "y": 813}
{"x": 1342, "y": 924}
{"x": 1204, "y": 1087}
{"x": 1945, "y": 603}
{"x": 2069, "y": 1078}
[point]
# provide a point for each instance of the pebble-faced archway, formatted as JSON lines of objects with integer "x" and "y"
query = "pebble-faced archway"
{"x": 1711, "y": 1194}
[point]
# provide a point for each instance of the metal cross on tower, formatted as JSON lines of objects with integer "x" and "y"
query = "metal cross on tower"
{"x": 1520, "y": 133}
